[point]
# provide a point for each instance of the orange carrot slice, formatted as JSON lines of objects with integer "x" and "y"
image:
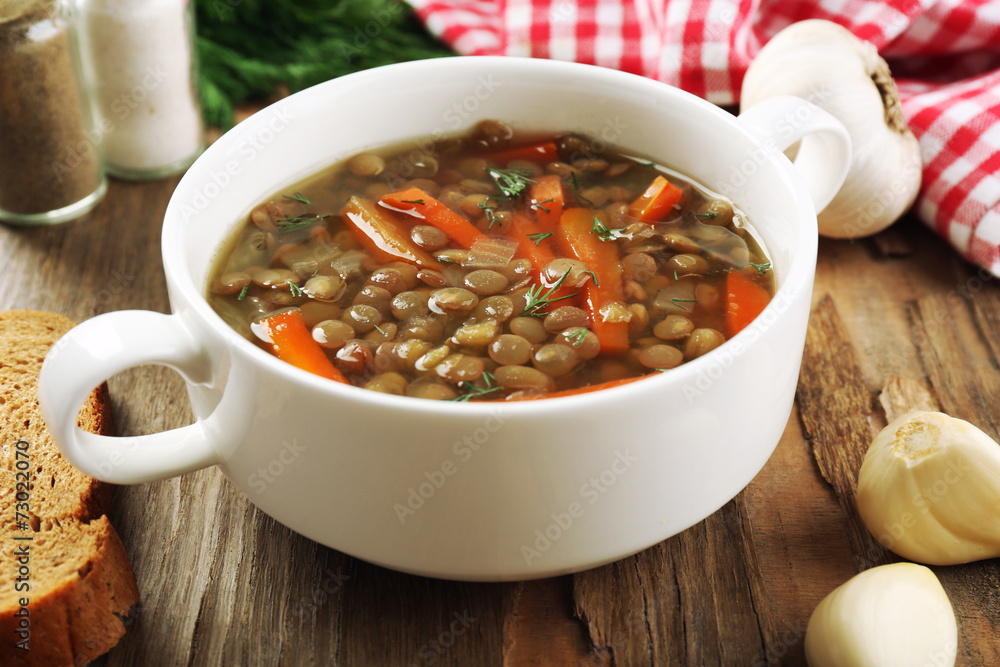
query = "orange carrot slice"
{"x": 745, "y": 300}
{"x": 545, "y": 151}
{"x": 601, "y": 257}
{"x": 657, "y": 201}
{"x": 576, "y": 391}
{"x": 533, "y": 242}
{"x": 291, "y": 341}
{"x": 548, "y": 198}
{"x": 535, "y": 245}
{"x": 386, "y": 239}
{"x": 419, "y": 204}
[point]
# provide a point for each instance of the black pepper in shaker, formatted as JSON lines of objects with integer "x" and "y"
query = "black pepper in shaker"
{"x": 50, "y": 165}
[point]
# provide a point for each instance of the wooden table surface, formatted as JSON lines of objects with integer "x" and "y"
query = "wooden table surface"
{"x": 898, "y": 321}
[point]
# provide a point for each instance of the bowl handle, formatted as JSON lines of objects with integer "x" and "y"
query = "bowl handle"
{"x": 95, "y": 350}
{"x": 824, "y": 154}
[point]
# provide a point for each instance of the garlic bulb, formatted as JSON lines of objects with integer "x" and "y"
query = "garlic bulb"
{"x": 825, "y": 64}
{"x": 929, "y": 489}
{"x": 888, "y": 616}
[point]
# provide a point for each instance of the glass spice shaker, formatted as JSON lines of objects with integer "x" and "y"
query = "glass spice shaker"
{"x": 140, "y": 55}
{"x": 50, "y": 165}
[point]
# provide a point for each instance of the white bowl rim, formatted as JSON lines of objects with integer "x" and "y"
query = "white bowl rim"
{"x": 796, "y": 275}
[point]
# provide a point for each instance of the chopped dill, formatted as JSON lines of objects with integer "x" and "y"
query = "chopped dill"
{"x": 286, "y": 225}
{"x": 539, "y": 298}
{"x": 577, "y": 337}
{"x": 677, "y": 302}
{"x": 298, "y": 196}
{"x": 472, "y": 391}
{"x": 512, "y": 182}
{"x": 539, "y": 206}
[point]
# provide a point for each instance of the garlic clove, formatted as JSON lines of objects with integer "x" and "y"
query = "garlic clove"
{"x": 825, "y": 64}
{"x": 894, "y": 615}
{"x": 929, "y": 489}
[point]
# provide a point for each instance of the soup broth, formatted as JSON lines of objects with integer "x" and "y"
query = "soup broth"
{"x": 492, "y": 266}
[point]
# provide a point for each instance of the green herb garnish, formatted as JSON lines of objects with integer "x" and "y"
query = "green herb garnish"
{"x": 472, "y": 391}
{"x": 298, "y": 196}
{"x": 412, "y": 201}
{"x": 705, "y": 216}
{"x": 243, "y": 293}
{"x": 678, "y": 302}
{"x": 575, "y": 184}
{"x": 761, "y": 268}
{"x": 593, "y": 277}
{"x": 512, "y": 182}
{"x": 602, "y": 231}
{"x": 447, "y": 260}
{"x": 286, "y": 225}
{"x": 380, "y": 329}
{"x": 539, "y": 206}
{"x": 539, "y": 299}
{"x": 490, "y": 211}
{"x": 539, "y": 237}
{"x": 577, "y": 337}
{"x": 295, "y": 290}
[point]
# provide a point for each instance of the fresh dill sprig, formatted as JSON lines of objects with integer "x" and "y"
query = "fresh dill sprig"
{"x": 539, "y": 206}
{"x": 298, "y": 196}
{"x": 539, "y": 298}
{"x": 602, "y": 231}
{"x": 251, "y": 50}
{"x": 705, "y": 216}
{"x": 593, "y": 276}
{"x": 511, "y": 182}
{"x": 539, "y": 237}
{"x": 243, "y": 293}
{"x": 472, "y": 391}
{"x": 761, "y": 268}
{"x": 295, "y": 290}
{"x": 577, "y": 337}
{"x": 287, "y": 225}
{"x": 490, "y": 211}
{"x": 677, "y": 302}
{"x": 412, "y": 201}
{"x": 574, "y": 183}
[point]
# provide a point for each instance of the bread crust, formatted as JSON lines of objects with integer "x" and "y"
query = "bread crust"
{"x": 81, "y": 583}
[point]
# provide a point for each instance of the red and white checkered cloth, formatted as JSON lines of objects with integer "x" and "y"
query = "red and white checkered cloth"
{"x": 945, "y": 56}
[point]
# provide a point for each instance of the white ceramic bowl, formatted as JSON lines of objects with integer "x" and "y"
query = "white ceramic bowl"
{"x": 487, "y": 491}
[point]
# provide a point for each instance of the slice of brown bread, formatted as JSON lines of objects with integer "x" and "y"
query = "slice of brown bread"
{"x": 75, "y": 577}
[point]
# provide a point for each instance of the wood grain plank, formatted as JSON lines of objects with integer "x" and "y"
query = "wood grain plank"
{"x": 398, "y": 619}
{"x": 539, "y": 627}
{"x": 965, "y": 377}
{"x": 685, "y": 601}
{"x": 893, "y": 242}
{"x": 799, "y": 539}
{"x": 835, "y": 406}
{"x": 986, "y": 308}
{"x": 901, "y": 395}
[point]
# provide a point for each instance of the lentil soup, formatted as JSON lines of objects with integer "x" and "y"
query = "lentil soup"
{"x": 492, "y": 266}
